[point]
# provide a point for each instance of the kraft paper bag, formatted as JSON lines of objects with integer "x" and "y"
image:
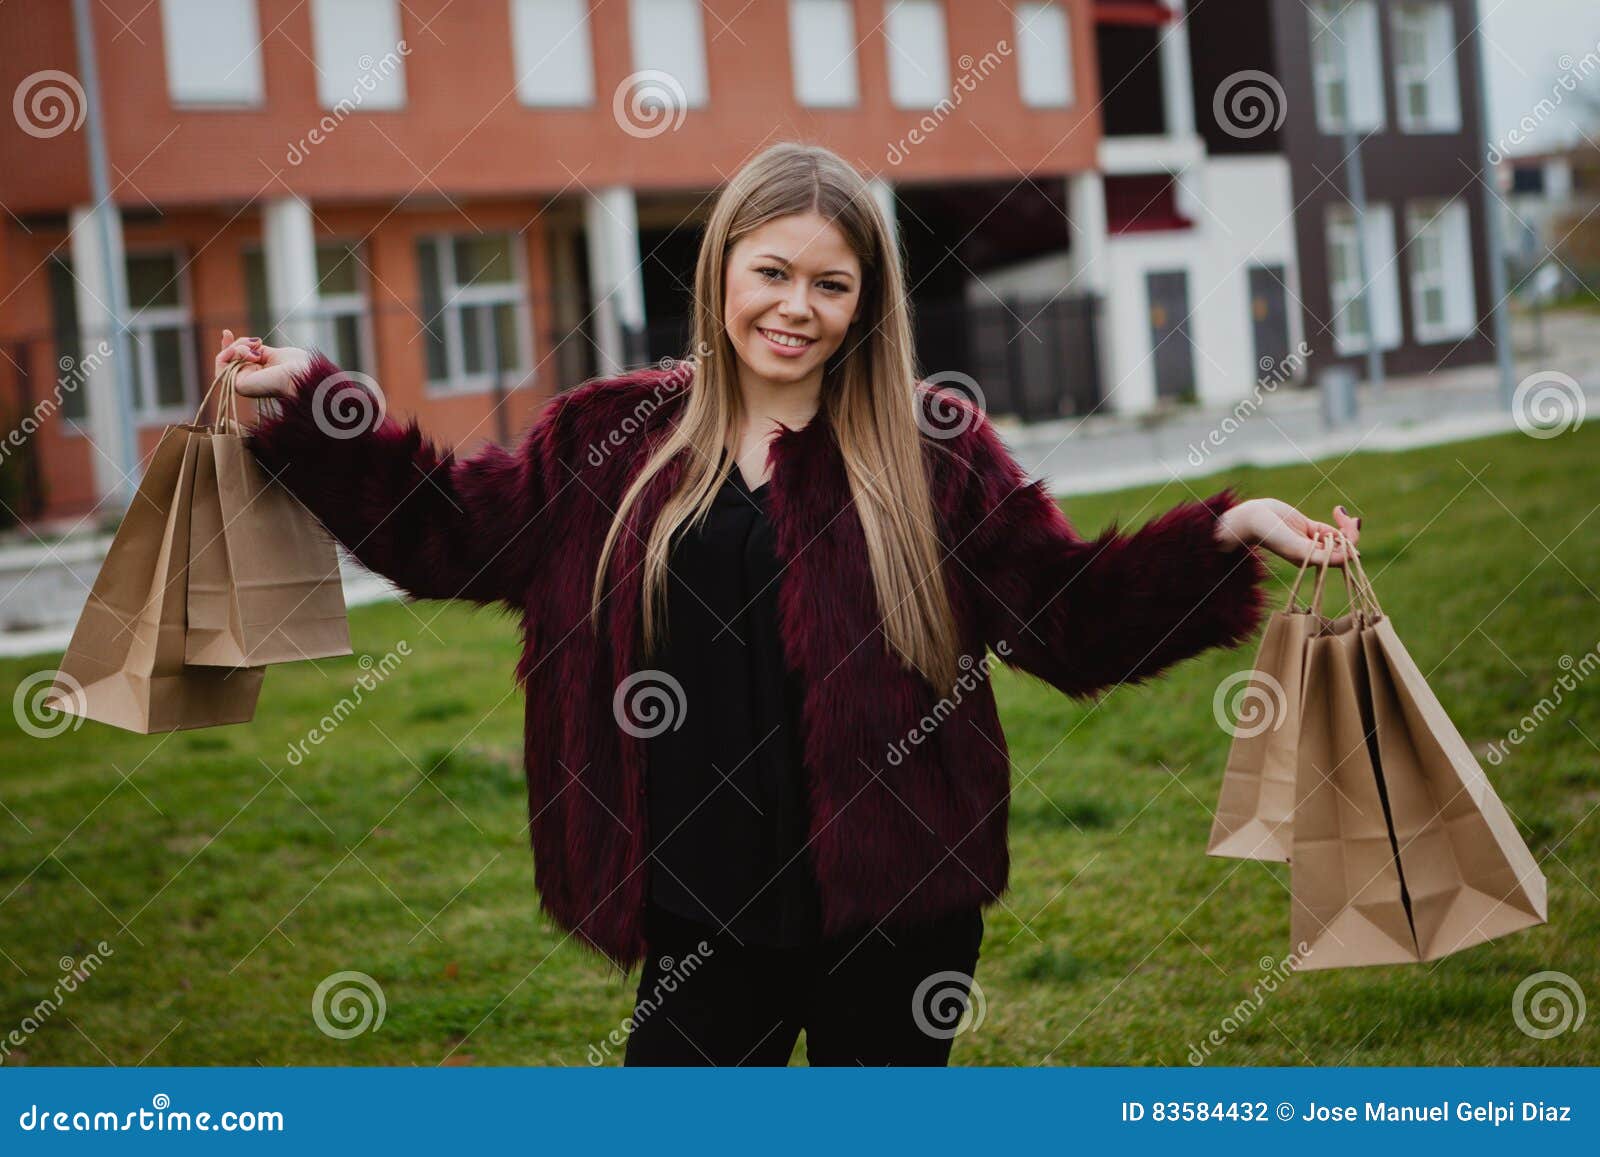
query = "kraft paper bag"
{"x": 264, "y": 581}
{"x": 1347, "y": 902}
{"x": 124, "y": 665}
{"x": 1255, "y": 808}
{"x": 1467, "y": 874}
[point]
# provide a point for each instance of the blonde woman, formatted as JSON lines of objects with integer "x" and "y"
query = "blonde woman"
{"x": 759, "y": 591}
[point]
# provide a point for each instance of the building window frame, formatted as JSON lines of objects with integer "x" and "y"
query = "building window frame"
{"x": 1345, "y": 296}
{"x": 807, "y": 86}
{"x": 1427, "y": 26}
{"x": 1337, "y": 95}
{"x": 456, "y": 299}
{"x": 908, "y": 91}
{"x": 144, "y": 323}
{"x": 1439, "y": 243}
{"x": 178, "y": 27}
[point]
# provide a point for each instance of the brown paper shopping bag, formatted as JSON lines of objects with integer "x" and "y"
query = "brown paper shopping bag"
{"x": 124, "y": 665}
{"x": 1347, "y": 905}
{"x": 263, "y": 575}
{"x": 1255, "y": 807}
{"x": 1468, "y": 876}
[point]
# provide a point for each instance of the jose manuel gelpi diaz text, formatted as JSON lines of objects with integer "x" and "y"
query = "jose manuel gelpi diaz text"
{"x": 1494, "y": 1112}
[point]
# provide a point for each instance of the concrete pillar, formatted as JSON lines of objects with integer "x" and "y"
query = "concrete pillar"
{"x": 883, "y": 193}
{"x": 1177, "y": 86}
{"x": 1086, "y": 212}
{"x": 611, "y": 227}
{"x": 107, "y": 380}
{"x": 289, "y": 246}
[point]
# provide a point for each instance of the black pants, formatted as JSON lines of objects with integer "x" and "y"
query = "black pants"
{"x": 884, "y": 997}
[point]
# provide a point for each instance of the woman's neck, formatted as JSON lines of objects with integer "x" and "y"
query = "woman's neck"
{"x": 766, "y": 402}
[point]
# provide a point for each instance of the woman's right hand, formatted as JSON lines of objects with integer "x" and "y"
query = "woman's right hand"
{"x": 268, "y": 371}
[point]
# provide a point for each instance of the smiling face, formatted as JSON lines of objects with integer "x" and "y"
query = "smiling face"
{"x": 792, "y": 289}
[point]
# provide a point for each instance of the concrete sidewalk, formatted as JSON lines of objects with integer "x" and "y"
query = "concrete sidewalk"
{"x": 43, "y": 585}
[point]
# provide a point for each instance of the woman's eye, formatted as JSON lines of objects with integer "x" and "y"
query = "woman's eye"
{"x": 770, "y": 269}
{"x": 830, "y": 286}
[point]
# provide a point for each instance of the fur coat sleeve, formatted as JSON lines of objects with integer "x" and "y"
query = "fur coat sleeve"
{"x": 1084, "y": 614}
{"x": 435, "y": 525}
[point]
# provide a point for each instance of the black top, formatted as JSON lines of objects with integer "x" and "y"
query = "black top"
{"x": 726, "y": 789}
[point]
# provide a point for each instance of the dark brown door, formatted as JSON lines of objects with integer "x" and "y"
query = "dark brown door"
{"x": 1169, "y": 334}
{"x": 1269, "y": 316}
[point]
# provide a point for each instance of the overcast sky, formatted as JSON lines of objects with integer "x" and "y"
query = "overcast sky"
{"x": 1529, "y": 44}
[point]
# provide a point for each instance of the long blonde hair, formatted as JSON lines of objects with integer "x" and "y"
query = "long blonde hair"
{"x": 869, "y": 393}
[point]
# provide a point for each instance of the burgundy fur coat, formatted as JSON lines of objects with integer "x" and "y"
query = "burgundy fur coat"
{"x": 901, "y": 828}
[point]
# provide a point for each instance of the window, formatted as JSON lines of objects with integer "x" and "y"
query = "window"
{"x": 554, "y": 59}
{"x": 1427, "y": 89}
{"x": 1351, "y": 322}
{"x": 69, "y": 341}
{"x": 1442, "y": 298}
{"x": 343, "y": 324}
{"x": 667, "y": 38}
{"x": 919, "y": 61}
{"x": 160, "y": 333}
{"x": 213, "y": 52}
{"x": 1346, "y": 34}
{"x": 1044, "y": 55}
{"x": 360, "y": 58}
{"x": 822, "y": 52}
{"x": 473, "y": 310}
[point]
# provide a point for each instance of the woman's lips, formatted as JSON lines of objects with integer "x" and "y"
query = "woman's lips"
{"x": 782, "y": 350}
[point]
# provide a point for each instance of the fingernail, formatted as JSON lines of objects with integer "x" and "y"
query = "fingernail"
{"x": 1358, "y": 524}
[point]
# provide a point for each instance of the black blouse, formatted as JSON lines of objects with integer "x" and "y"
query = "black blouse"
{"x": 726, "y": 789}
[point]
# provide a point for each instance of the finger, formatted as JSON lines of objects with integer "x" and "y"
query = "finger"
{"x": 227, "y": 338}
{"x": 1348, "y": 526}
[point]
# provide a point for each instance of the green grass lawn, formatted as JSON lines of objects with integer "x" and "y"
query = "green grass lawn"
{"x": 397, "y": 847}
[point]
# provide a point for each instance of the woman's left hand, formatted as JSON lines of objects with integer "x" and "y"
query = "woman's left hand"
{"x": 1284, "y": 531}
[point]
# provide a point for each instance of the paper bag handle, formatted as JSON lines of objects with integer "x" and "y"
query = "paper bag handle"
{"x": 227, "y": 400}
{"x": 1361, "y": 601}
